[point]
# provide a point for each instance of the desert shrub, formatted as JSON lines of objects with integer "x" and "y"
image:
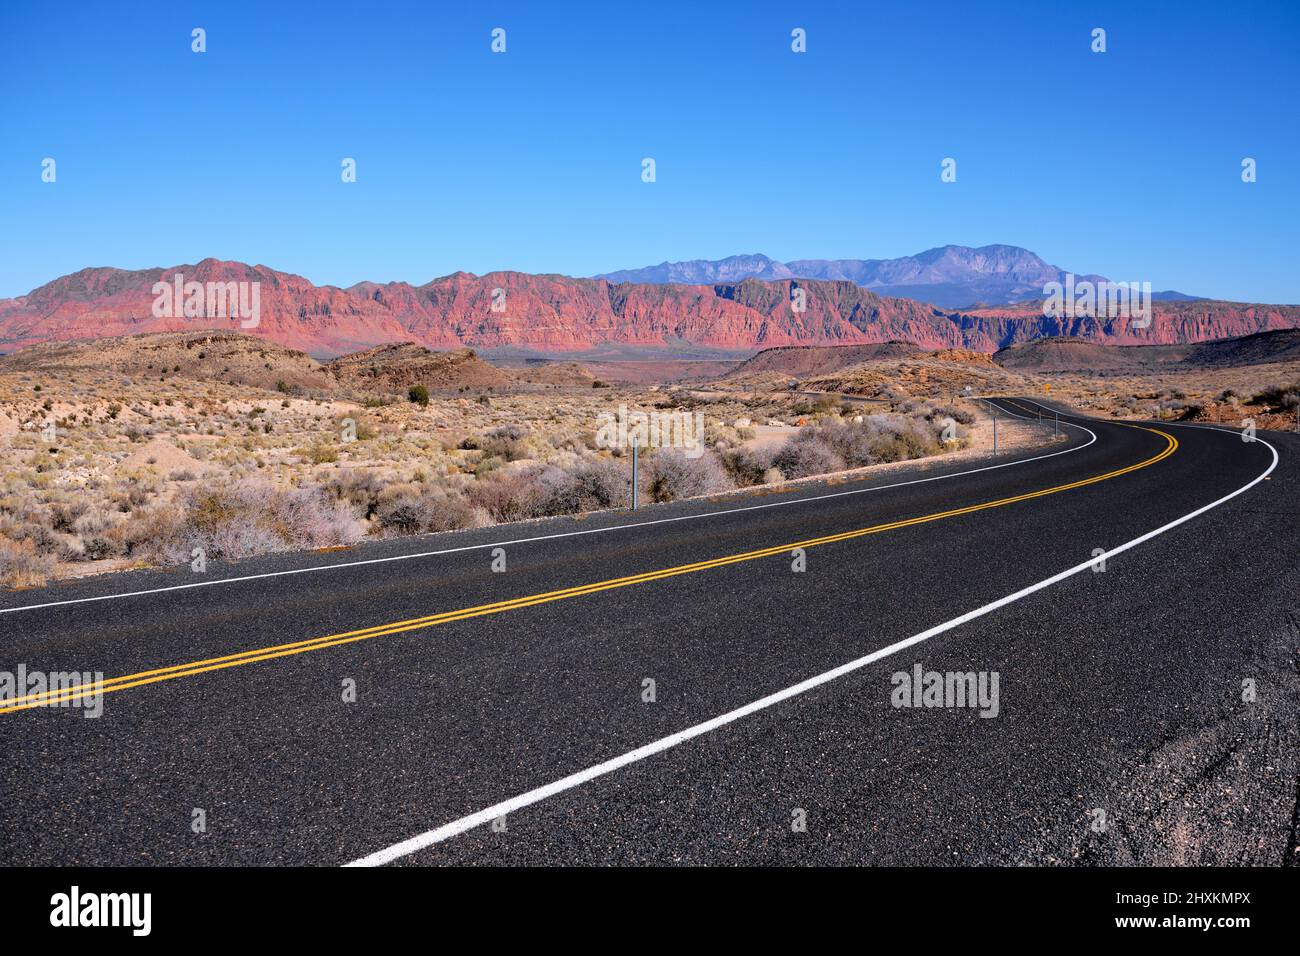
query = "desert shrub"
{"x": 98, "y": 546}
{"x": 487, "y": 465}
{"x": 16, "y": 511}
{"x": 509, "y": 497}
{"x": 320, "y": 453}
{"x": 804, "y": 454}
{"x": 419, "y": 395}
{"x": 959, "y": 415}
{"x": 21, "y": 566}
{"x": 131, "y": 495}
{"x": 303, "y": 517}
{"x": 64, "y": 513}
{"x": 511, "y": 432}
{"x": 41, "y": 536}
{"x": 359, "y": 489}
{"x": 852, "y": 442}
{"x": 25, "y": 521}
{"x": 567, "y": 441}
{"x": 747, "y": 466}
{"x": 670, "y": 475}
{"x": 365, "y": 428}
{"x": 250, "y": 517}
{"x": 833, "y": 446}
{"x": 900, "y": 439}
{"x": 155, "y": 533}
{"x": 423, "y": 512}
{"x": 506, "y": 442}
{"x": 95, "y": 529}
{"x": 1278, "y": 396}
{"x": 588, "y": 485}
{"x": 70, "y": 549}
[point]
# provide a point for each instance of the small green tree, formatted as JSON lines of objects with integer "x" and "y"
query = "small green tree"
{"x": 418, "y": 394}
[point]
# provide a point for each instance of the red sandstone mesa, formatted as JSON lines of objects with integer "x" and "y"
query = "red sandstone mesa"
{"x": 557, "y": 314}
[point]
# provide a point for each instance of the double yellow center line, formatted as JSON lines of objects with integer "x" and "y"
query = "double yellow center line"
{"x": 68, "y": 694}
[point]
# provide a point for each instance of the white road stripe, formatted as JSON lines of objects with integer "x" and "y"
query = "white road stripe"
{"x": 474, "y": 820}
{"x": 544, "y": 537}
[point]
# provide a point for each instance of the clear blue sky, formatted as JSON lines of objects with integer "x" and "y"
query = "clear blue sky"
{"x": 1125, "y": 163}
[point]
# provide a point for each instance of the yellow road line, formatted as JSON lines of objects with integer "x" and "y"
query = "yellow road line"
{"x": 68, "y": 694}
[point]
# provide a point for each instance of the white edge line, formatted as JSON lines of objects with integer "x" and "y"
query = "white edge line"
{"x": 550, "y": 537}
{"x": 474, "y": 820}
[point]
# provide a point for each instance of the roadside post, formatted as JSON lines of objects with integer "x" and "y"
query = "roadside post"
{"x": 634, "y": 447}
{"x": 1056, "y": 429}
{"x": 995, "y": 429}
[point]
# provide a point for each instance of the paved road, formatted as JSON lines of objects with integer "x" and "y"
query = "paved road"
{"x": 1119, "y": 691}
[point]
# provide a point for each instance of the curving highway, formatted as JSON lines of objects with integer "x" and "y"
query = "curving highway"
{"x": 705, "y": 682}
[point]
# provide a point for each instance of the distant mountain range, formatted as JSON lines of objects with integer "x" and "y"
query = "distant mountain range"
{"x": 950, "y": 277}
{"x": 558, "y": 315}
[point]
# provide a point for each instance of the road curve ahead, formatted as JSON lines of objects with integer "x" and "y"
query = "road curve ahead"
{"x": 723, "y": 681}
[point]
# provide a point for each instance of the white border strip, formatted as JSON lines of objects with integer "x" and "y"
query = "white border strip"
{"x": 551, "y": 537}
{"x": 474, "y": 820}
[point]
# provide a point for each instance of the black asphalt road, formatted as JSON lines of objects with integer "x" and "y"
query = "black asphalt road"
{"x": 1119, "y": 691}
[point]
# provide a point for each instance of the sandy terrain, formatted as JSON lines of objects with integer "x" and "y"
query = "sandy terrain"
{"x": 139, "y": 450}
